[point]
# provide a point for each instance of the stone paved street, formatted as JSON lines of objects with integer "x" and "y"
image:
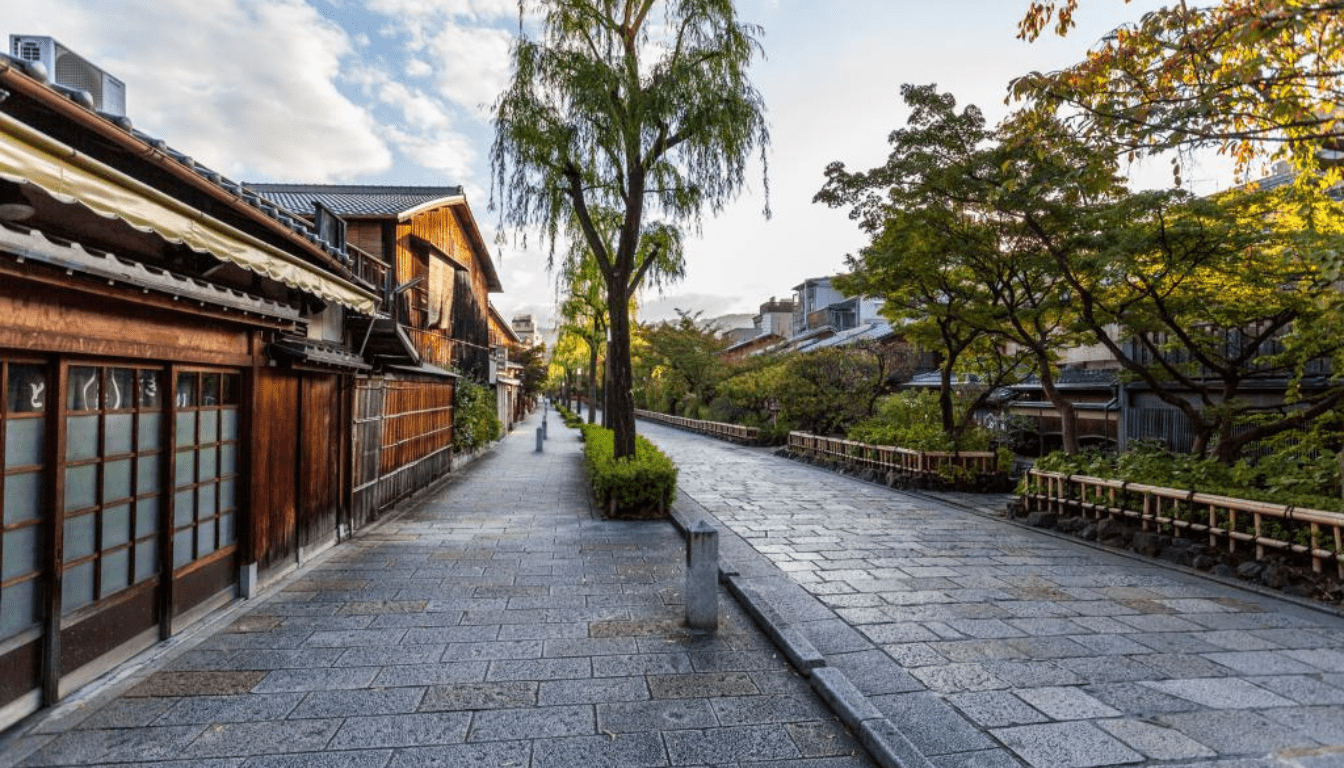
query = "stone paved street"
{"x": 991, "y": 645}
{"x": 498, "y": 622}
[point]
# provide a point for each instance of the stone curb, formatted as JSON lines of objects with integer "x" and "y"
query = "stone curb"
{"x": 885, "y": 743}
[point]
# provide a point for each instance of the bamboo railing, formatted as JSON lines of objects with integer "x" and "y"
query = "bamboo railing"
{"x": 1228, "y": 522}
{"x": 719, "y": 429}
{"x": 888, "y": 458}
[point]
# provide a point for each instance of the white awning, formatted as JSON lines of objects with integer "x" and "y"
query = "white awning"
{"x": 29, "y": 157}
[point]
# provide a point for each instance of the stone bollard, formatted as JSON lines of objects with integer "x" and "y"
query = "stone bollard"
{"x": 544, "y": 436}
{"x": 540, "y": 437}
{"x": 702, "y": 576}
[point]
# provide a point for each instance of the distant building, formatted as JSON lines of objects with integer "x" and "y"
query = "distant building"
{"x": 526, "y": 329}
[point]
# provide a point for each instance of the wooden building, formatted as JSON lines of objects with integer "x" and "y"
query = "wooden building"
{"x": 200, "y": 385}
{"x": 438, "y": 276}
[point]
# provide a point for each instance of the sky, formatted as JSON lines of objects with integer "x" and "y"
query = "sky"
{"x": 400, "y": 92}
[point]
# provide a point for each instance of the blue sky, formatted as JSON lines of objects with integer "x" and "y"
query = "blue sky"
{"x": 398, "y": 92}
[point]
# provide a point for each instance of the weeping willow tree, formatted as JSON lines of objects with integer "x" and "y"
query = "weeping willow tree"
{"x": 639, "y": 107}
{"x": 583, "y": 301}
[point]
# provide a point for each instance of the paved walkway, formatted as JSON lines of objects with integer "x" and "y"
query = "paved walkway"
{"x": 498, "y": 622}
{"x": 994, "y": 646}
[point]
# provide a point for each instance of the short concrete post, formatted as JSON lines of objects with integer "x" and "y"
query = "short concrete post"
{"x": 544, "y": 436}
{"x": 702, "y": 576}
{"x": 540, "y": 436}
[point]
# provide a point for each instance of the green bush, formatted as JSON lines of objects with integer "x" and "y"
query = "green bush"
{"x": 912, "y": 420}
{"x": 475, "y": 421}
{"x": 641, "y": 486}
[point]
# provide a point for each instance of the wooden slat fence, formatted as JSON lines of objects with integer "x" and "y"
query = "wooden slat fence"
{"x": 889, "y": 458}
{"x": 403, "y": 440}
{"x": 1228, "y": 522}
{"x": 719, "y": 429}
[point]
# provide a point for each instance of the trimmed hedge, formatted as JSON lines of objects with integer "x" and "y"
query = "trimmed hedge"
{"x": 641, "y": 486}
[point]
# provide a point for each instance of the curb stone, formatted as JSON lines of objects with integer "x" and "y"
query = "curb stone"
{"x": 885, "y": 743}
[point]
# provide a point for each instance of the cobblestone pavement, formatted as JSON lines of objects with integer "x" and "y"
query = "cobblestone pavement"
{"x": 498, "y": 622}
{"x": 989, "y": 645}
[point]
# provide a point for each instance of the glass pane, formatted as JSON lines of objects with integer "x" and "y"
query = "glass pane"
{"x": 146, "y": 559}
{"x": 184, "y": 508}
{"x": 210, "y": 389}
{"x": 22, "y": 548}
{"x": 205, "y": 501}
{"x": 149, "y": 437}
{"x": 116, "y": 526}
{"x": 228, "y": 420}
{"x": 146, "y": 517}
{"x": 27, "y": 388}
{"x": 23, "y": 442}
{"x": 228, "y": 496}
{"x": 23, "y": 497}
{"x": 146, "y": 474}
{"x": 116, "y": 567}
{"x": 116, "y": 480}
{"x": 79, "y": 536}
{"x": 185, "y": 473}
{"x": 81, "y": 437}
{"x": 186, "y": 428}
{"x": 228, "y": 459}
{"x": 205, "y": 538}
{"x": 209, "y": 464}
{"x": 18, "y": 607}
{"x": 182, "y": 552}
{"x": 209, "y": 426}
{"x": 186, "y": 390}
{"x": 82, "y": 389}
{"x": 120, "y": 394}
{"x": 150, "y": 384}
{"x": 81, "y": 486}
{"x": 77, "y": 587}
{"x": 229, "y": 390}
{"x": 226, "y": 532}
{"x": 117, "y": 434}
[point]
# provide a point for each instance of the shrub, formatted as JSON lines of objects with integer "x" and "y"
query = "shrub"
{"x": 475, "y": 421}
{"x": 1287, "y": 475}
{"x": 912, "y": 420}
{"x": 642, "y": 485}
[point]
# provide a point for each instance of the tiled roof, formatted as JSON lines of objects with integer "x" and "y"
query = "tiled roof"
{"x": 352, "y": 200}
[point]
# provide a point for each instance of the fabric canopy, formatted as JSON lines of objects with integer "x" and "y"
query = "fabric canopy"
{"x": 28, "y": 156}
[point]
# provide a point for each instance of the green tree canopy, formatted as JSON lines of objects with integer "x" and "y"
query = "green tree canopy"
{"x": 642, "y": 107}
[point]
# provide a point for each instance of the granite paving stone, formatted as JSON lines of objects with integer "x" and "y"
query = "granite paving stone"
{"x": 495, "y": 620}
{"x": 980, "y": 611}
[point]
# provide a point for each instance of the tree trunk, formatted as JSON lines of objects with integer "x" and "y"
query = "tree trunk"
{"x": 606, "y": 390}
{"x": 592, "y": 382}
{"x": 945, "y": 401}
{"x": 1068, "y": 416}
{"x": 620, "y": 398}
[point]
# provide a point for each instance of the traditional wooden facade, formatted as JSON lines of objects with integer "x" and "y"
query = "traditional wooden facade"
{"x": 437, "y": 274}
{"x": 505, "y": 372}
{"x": 200, "y": 386}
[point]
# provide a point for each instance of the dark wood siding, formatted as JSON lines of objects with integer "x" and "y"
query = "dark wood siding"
{"x": 275, "y": 466}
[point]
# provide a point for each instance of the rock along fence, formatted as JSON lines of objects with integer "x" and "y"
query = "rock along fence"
{"x": 901, "y": 465}
{"x": 1228, "y": 522}
{"x": 724, "y": 431}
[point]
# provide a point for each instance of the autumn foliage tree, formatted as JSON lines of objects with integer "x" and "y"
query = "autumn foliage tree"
{"x": 1249, "y": 77}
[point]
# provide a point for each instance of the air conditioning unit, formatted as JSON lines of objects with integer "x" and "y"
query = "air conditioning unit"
{"x": 71, "y": 70}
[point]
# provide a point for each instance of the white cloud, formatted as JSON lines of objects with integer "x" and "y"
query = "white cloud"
{"x": 418, "y": 68}
{"x": 245, "y": 86}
